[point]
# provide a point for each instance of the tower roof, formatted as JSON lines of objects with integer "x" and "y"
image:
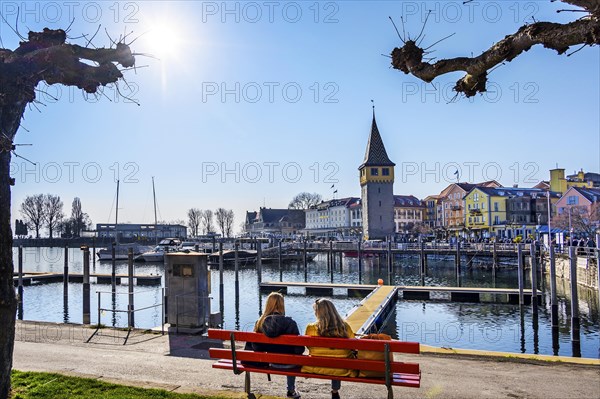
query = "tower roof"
{"x": 376, "y": 154}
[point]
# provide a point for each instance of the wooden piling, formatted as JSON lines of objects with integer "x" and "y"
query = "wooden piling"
{"x": 520, "y": 273}
{"x": 330, "y": 260}
{"x": 259, "y": 261}
{"x": 554, "y": 298}
{"x": 389, "y": 263}
{"x": 359, "y": 263}
{"x": 66, "y": 273}
{"x": 130, "y": 307}
{"x": 20, "y": 269}
{"x": 534, "y": 301}
{"x": 86, "y": 285}
{"x": 494, "y": 257}
{"x": 305, "y": 262}
{"x": 574, "y": 296}
{"x": 113, "y": 278}
{"x": 457, "y": 263}
{"x": 236, "y": 263}
{"x": 221, "y": 289}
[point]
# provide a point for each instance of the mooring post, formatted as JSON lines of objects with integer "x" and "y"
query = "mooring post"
{"x": 86, "y": 285}
{"x": 494, "y": 257}
{"x": 279, "y": 261}
{"x": 389, "y": 262}
{"x": 359, "y": 262}
{"x": 457, "y": 261}
{"x": 20, "y": 270}
{"x": 554, "y": 298}
{"x": 330, "y": 260}
{"x": 259, "y": 260}
{"x": 66, "y": 272}
{"x": 341, "y": 262}
{"x": 534, "y": 301}
{"x": 130, "y": 308}
{"x": 598, "y": 266}
{"x": 94, "y": 253}
{"x": 422, "y": 258}
{"x": 221, "y": 289}
{"x": 520, "y": 273}
{"x": 305, "y": 262}
{"x": 236, "y": 264}
{"x": 113, "y": 276}
{"x": 574, "y": 300}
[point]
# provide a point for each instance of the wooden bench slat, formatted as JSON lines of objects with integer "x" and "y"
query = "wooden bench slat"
{"x": 398, "y": 379}
{"x": 319, "y": 361}
{"x": 303, "y": 340}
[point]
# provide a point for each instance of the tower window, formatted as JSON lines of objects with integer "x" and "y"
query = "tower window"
{"x": 378, "y": 190}
{"x": 385, "y": 171}
{"x": 379, "y": 203}
{"x": 374, "y": 172}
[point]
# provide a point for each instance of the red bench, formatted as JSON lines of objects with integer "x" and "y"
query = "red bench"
{"x": 395, "y": 373}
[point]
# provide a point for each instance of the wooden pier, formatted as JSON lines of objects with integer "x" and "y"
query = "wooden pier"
{"x": 370, "y": 315}
{"x": 53, "y": 277}
{"x": 453, "y": 294}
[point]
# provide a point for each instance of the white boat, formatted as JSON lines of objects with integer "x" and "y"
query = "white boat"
{"x": 158, "y": 253}
{"x": 121, "y": 251}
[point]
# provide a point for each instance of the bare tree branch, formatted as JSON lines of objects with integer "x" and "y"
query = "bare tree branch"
{"x": 555, "y": 36}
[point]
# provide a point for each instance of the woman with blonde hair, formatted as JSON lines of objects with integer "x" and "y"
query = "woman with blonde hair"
{"x": 329, "y": 324}
{"x": 274, "y": 323}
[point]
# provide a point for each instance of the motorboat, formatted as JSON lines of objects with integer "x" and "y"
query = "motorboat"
{"x": 121, "y": 251}
{"x": 158, "y": 253}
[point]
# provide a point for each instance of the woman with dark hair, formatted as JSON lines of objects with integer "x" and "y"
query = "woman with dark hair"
{"x": 329, "y": 324}
{"x": 274, "y": 323}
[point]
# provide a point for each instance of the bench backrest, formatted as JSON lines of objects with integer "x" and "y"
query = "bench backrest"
{"x": 305, "y": 340}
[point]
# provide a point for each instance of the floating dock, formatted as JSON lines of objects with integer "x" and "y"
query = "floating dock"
{"x": 453, "y": 294}
{"x": 370, "y": 315}
{"x": 44, "y": 277}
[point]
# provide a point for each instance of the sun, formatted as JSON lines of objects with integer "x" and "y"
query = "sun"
{"x": 163, "y": 40}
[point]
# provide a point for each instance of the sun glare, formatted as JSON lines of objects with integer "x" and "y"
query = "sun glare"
{"x": 163, "y": 40}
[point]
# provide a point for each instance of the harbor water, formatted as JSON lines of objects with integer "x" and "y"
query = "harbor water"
{"x": 437, "y": 322}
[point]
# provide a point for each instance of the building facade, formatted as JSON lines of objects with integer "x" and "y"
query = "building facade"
{"x": 338, "y": 217}
{"x": 377, "y": 188}
{"x": 560, "y": 184}
{"x": 141, "y": 231}
{"x": 275, "y": 222}
{"x": 408, "y": 214}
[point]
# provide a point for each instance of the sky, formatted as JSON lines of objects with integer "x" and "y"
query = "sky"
{"x": 245, "y": 104}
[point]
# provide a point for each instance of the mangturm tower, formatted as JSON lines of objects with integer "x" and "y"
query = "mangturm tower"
{"x": 377, "y": 188}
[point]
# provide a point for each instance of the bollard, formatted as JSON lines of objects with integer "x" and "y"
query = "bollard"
{"x": 130, "y": 308}
{"x": 534, "y": 301}
{"x": 574, "y": 302}
{"x": 86, "y": 285}
{"x": 520, "y": 273}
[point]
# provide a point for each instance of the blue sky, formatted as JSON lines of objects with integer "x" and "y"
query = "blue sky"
{"x": 253, "y": 102}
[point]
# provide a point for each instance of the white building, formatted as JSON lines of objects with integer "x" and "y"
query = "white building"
{"x": 336, "y": 217}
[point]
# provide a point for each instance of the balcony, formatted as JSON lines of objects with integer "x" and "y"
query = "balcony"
{"x": 456, "y": 207}
{"x": 476, "y": 211}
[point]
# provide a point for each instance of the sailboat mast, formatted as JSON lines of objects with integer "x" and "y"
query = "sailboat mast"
{"x": 155, "y": 220}
{"x": 117, "y": 216}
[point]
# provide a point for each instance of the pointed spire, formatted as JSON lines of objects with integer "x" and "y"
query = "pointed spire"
{"x": 376, "y": 154}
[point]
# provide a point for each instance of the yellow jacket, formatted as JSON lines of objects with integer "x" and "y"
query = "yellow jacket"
{"x": 311, "y": 330}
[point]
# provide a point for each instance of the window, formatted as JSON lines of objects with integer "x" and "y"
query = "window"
{"x": 572, "y": 200}
{"x": 476, "y": 197}
{"x": 495, "y": 207}
{"x": 374, "y": 172}
{"x": 379, "y": 203}
{"x": 385, "y": 171}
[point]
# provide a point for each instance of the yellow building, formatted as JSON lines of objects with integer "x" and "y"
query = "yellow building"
{"x": 560, "y": 184}
{"x": 486, "y": 211}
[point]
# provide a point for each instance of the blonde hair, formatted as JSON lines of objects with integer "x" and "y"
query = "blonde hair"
{"x": 329, "y": 322}
{"x": 274, "y": 304}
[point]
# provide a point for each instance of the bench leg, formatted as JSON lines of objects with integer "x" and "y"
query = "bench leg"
{"x": 390, "y": 393}
{"x": 247, "y": 386}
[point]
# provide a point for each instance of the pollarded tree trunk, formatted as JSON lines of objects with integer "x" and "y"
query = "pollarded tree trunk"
{"x": 45, "y": 56}
{"x": 9, "y": 122}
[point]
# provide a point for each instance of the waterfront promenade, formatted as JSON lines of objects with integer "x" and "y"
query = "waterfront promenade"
{"x": 178, "y": 363}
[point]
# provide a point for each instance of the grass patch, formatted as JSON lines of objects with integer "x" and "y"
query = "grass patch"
{"x": 29, "y": 385}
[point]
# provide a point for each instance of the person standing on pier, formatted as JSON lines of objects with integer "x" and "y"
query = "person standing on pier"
{"x": 274, "y": 323}
{"x": 329, "y": 324}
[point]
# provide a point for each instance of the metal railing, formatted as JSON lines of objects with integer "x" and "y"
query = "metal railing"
{"x": 130, "y": 311}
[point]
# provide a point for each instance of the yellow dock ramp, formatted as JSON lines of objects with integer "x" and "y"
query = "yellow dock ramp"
{"x": 370, "y": 307}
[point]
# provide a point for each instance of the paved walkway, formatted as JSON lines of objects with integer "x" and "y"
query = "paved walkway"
{"x": 178, "y": 363}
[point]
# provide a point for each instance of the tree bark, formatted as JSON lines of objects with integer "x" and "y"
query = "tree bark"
{"x": 9, "y": 122}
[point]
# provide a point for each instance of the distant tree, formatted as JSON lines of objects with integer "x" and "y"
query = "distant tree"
{"x": 305, "y": 200}
{"x": 194, "y": 220}
{"x": 207, "y": 221}
{"x": 20, "y": 228}
{"x": 79, "y": 220}
{"x": 53, "y": 212}
{"x": 225, "y": 221}
{"x": 33, "y": 210}
{"x": 584, "y": 221}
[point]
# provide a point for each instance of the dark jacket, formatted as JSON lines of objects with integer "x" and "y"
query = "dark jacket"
{"x": 274, "y": 326}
